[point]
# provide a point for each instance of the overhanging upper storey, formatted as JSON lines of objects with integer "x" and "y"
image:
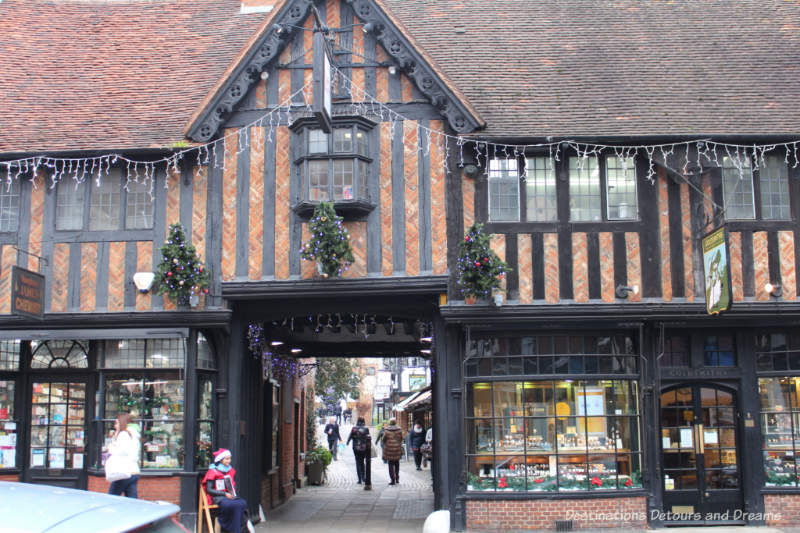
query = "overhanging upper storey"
{"x": 277, "y": 32}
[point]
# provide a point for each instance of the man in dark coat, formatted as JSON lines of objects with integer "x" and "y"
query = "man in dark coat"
{"x": 393, "y": 450}
{"x": 332, "y": 432}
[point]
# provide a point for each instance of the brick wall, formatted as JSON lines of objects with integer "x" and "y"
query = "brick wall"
{"x": 782, "y": 510}
{"x": 9, "y": 477}
{"x": 504, "y": 515}
{"x": 166, "y": 488}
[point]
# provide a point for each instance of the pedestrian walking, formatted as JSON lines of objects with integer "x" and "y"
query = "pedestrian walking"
{"x": 332, "y": 432}
{"x": 338, "y": 411}
{"x": 393, "y": 450}
{"x": 122, "y": 465}
{"x": 416, "y": 437}
{"x": 220, "y": 485}
{"x": 379, "y": 439}
{"x": 362, "y": 443}
{"x": 427, "y": 449}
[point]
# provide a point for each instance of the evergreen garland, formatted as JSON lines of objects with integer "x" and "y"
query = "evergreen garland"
{"x": 329, "y": 244}
{"x": 181, "y": 273}
{"x": 479, "y": 269}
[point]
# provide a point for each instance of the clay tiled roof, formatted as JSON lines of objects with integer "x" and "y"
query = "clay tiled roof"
{"x": 618, "y": 67}
{"x": 94, "y": 74}
{"x": 89, "y": 74}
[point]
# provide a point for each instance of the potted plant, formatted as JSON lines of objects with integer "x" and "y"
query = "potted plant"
{"x": 480, "y": 271}
{"x": 317, "y": 461}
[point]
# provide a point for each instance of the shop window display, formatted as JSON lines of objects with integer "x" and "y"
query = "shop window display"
{"x": 154, "y": 395}
{"x": 567, "y": 435}
{"x": 8, "y": 425}
{"x": 780, "y": 429}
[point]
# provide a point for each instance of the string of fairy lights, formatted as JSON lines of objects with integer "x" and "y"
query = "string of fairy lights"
{"x": 467, "y": 150}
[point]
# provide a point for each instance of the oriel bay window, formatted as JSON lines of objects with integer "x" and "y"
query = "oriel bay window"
{"x": 334, "y": 167}
{"x": 552, "y": 413}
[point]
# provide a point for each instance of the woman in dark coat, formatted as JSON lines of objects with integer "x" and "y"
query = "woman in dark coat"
{"x": 415, "y": 439}
{"x": 393, "y": 450}
{"x": 362, "y": 443}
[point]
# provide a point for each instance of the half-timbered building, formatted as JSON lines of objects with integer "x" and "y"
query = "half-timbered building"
{"x": 635, "y": 370}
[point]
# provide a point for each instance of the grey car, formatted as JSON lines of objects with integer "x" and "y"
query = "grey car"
{"x": 27, "y": 508}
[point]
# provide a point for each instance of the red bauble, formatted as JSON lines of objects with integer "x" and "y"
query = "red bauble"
{"x": 205, "y": 291}
{"x": 169, "y": 273}
{"x": 200, "y": 269}
{"x": 477, "y": 263}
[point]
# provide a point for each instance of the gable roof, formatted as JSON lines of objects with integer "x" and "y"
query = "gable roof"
{"x": 609, "y": 68}
{"x": 98, "y": 75}
{"x": 129, "y": 74}
{"x": 289, "y": 17}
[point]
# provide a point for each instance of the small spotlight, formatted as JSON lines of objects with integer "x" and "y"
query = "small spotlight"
{"x": 276, "y": 343}
{"x": 426, "y": 339}
{"x": 264, "y": 75}
{"x": 425, "y": 351}
{"x": 773, "y": 289}
{"x": 368, "y": 27}
{"x": 392, "y": 70}
{"x": 623, "y": 290}
{"x": 297, "y": 350}
{"x": 280, "y": 30}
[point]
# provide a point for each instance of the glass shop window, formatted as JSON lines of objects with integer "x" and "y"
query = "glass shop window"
{"x": 151, "y": 390}
{"x": 559, "y": 435}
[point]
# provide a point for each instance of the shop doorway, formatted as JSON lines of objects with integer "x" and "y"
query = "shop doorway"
{"x": 701, "y": 466}
{"x": 57, "y": 432}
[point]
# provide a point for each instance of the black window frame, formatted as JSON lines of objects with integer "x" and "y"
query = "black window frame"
{"x": 562, "y": 179}
{"x": 89, "y": 188}
{"x": 758, "y": 208}
{"x": 362, "y": 203}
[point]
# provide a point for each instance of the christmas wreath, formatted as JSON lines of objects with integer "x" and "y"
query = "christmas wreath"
{"x": 181, "y": 274}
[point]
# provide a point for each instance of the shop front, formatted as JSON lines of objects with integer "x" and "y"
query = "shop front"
{"x": 62, "y": 391}
{"x": 650, "y": 425}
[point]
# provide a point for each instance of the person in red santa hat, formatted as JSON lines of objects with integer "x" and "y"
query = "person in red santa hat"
{"x": 221, "y": 489}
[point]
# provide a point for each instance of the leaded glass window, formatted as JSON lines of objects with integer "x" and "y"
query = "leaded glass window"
{"x": 773, "y": 179}
{"x": 70, "y": 198}
{"x": 104, "y": 206}
{"x": 737, "y": 188}
{"x": 540, "y": 190}
{"x": 139, "y": 206}
{"x": 9, "y": 205}
{"x": 60, "y": 354}
{"x": 503, "y": 190}
{"x": 585, "y": 203}
{"x": 621, "y": 188}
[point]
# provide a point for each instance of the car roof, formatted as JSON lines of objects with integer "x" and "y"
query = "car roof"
{"x": 28, "y": 508}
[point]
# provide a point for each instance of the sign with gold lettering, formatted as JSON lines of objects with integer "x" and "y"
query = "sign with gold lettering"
{"x": 27, "y": 293}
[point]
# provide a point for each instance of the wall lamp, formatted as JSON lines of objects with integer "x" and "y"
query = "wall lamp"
{"x": 143, "y": 281}
{"x": 623, "y": 290}
{"x": 773, "y": 289}
{"x": 371, "y": 27}
{"x": 280, "y": 30}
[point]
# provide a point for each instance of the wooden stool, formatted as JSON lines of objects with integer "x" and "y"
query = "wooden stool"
{"x": 204, "y": 512}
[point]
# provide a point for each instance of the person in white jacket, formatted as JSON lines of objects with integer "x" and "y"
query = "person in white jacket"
{"x": 122, "y": 465}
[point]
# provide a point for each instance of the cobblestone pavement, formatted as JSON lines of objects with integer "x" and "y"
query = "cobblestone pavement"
{"x": 340, "y": 505}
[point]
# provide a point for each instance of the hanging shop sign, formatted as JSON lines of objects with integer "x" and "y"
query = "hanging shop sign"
{"x": 27, "y": 293}
{"x": 322, "y": 104}
{"x": 717, "y": 271}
